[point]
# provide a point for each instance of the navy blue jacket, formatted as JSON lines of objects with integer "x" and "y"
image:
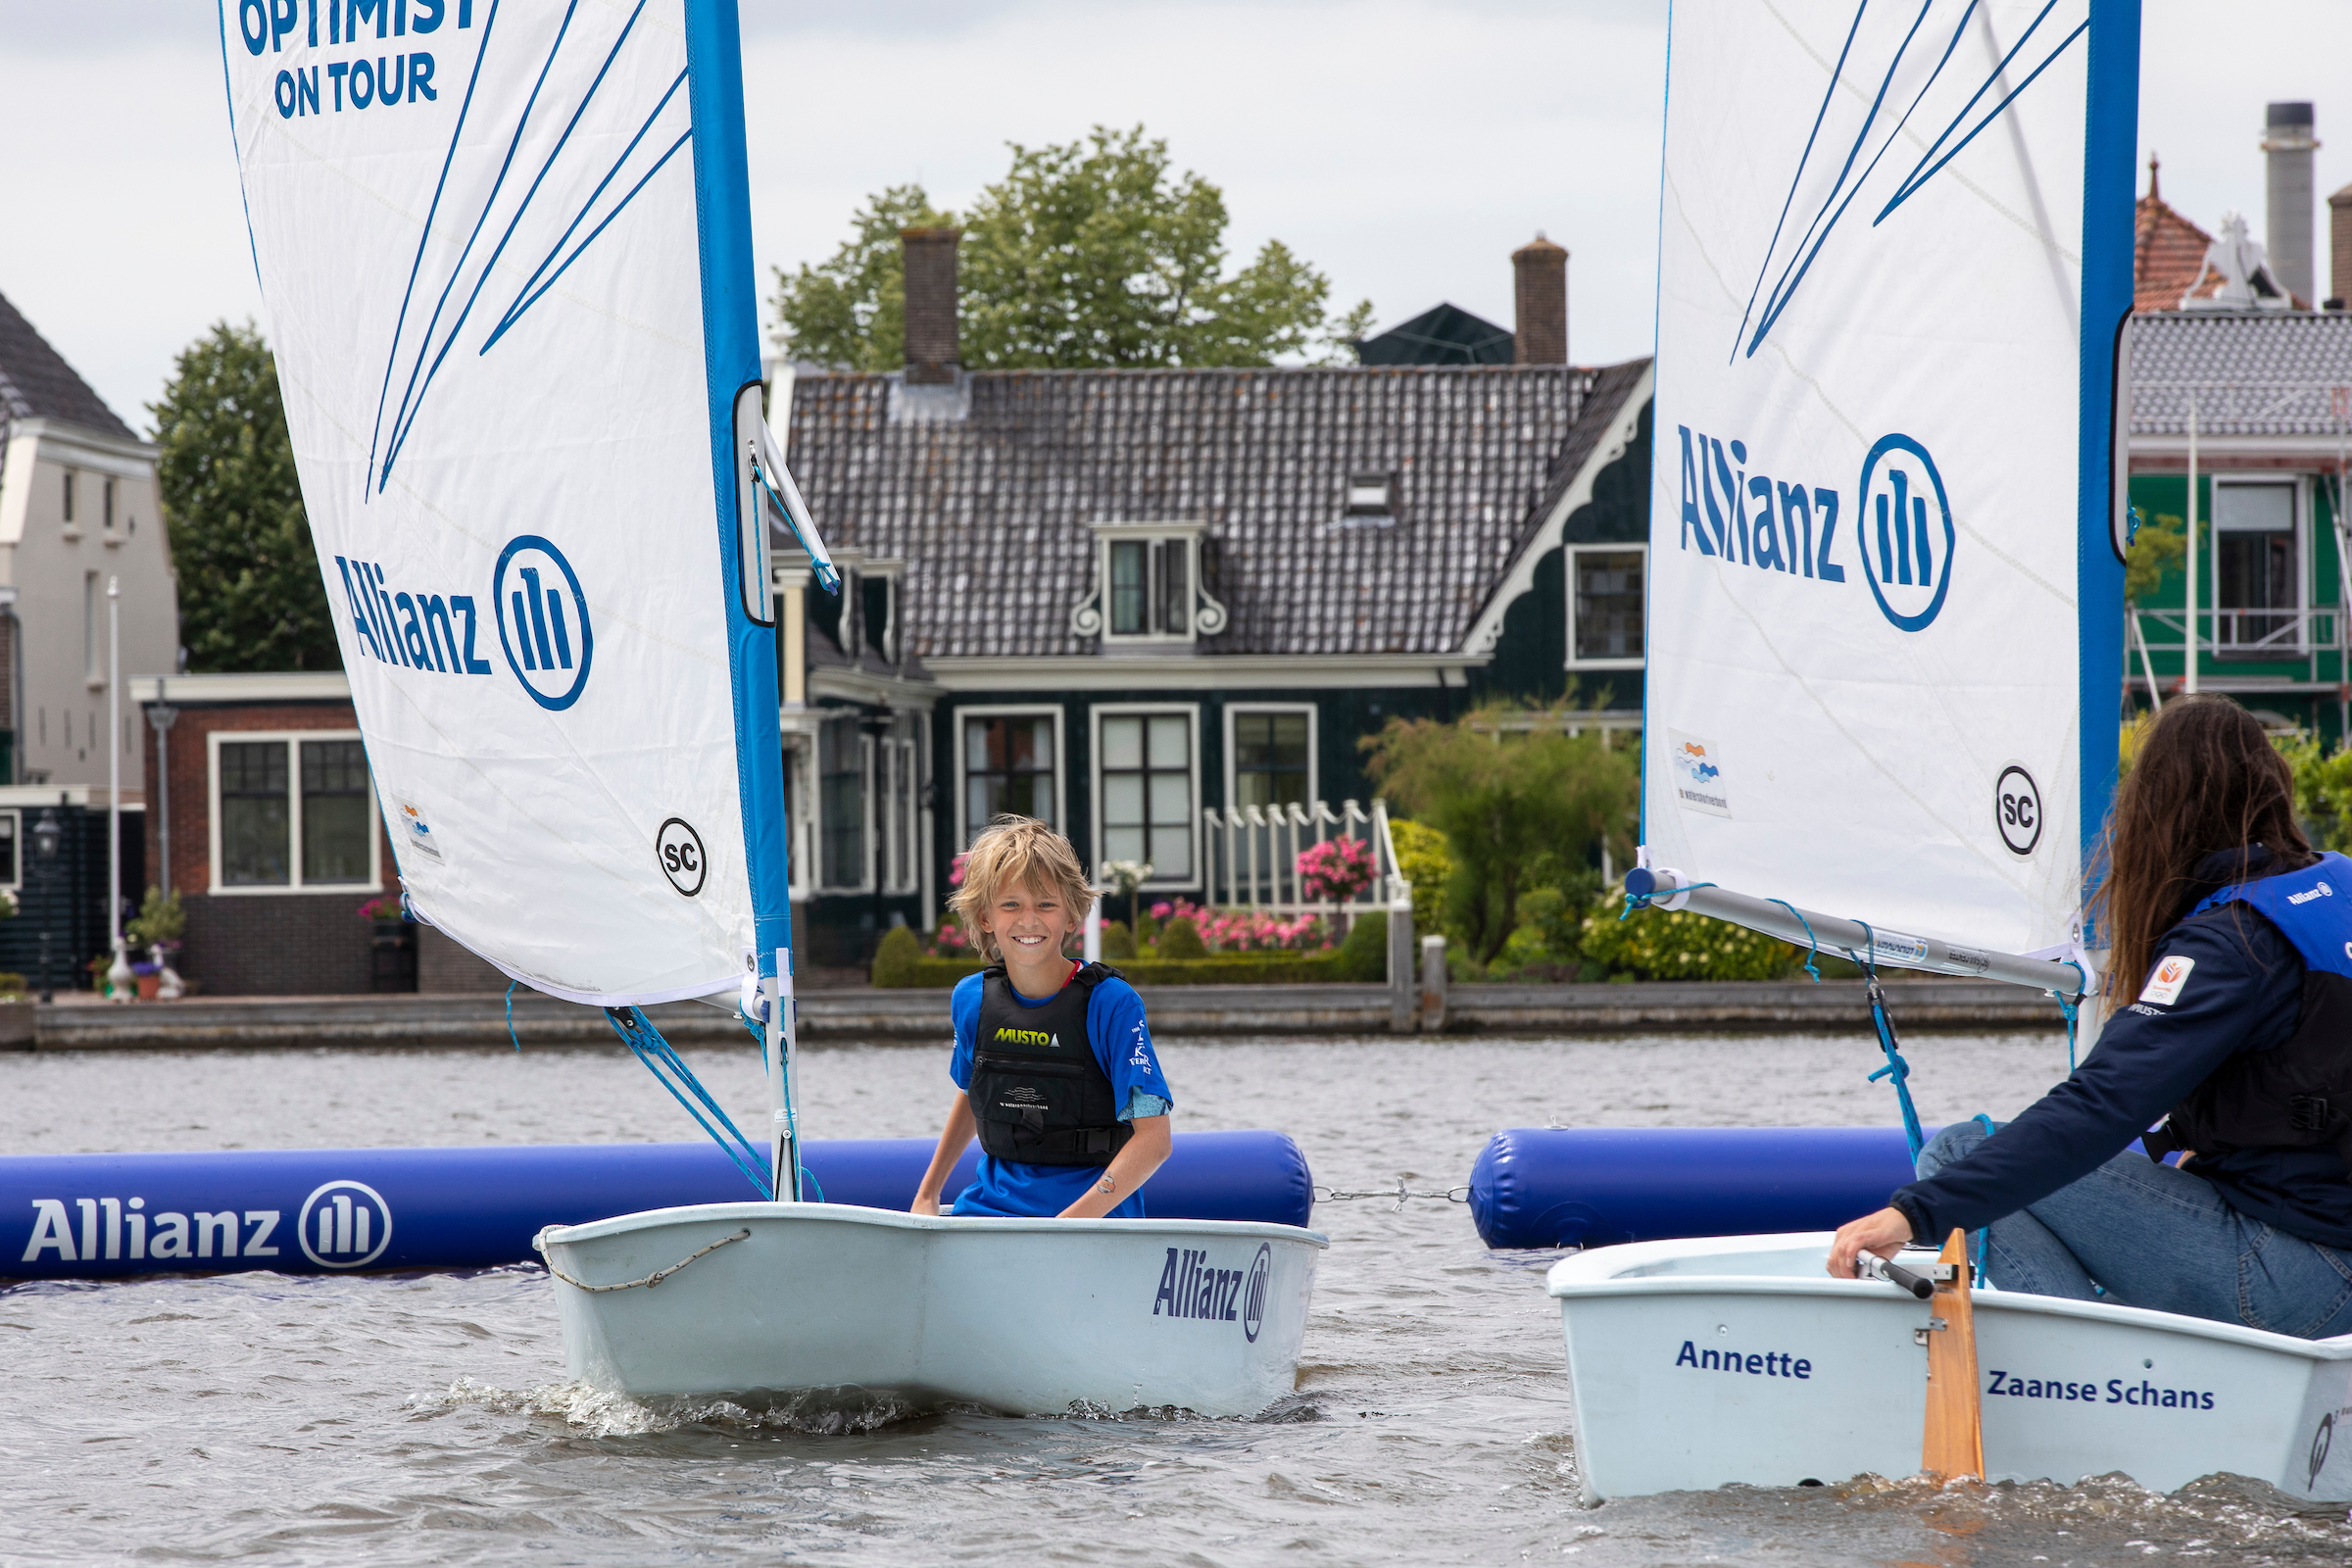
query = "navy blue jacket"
{"x": 2245, "y": 994}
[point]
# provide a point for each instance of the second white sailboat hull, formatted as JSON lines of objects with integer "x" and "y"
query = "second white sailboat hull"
{"x": 1699, "y": 1364}
{"x": 1025, "y": 1316}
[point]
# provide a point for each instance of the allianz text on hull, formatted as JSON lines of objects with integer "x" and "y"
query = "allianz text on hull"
{"x": 1026, "y": 1316}
{"x": 1700, "y": 1363}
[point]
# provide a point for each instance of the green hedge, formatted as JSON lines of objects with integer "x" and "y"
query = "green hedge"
{"x": 1218, "y": 969}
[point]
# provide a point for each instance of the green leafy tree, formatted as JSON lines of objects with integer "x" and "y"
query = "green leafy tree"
{"x": 250, "y": 593}
{"x": 1521, "y": 807}
{"x": 1090, "y": 254}
{"x": 2159, "y": 547}
{"x": 2323, "y": 789}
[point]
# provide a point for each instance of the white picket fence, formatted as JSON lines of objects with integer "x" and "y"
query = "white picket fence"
{"x": 1252, "y": 857}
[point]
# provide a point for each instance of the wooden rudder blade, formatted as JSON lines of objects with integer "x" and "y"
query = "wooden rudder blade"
{"x": 1953, "y": 1444}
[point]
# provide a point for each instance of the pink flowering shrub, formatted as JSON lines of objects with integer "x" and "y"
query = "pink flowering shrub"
{"x": 1248, "y": 930}
{"x": 1336, "y": 869}
{"x": 383, "y": 906}
{"x": 956, "y": 869}
{"x": 949, "y": 941}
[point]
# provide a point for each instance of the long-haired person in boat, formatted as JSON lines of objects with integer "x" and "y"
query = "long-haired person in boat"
{"x": 2229, "y": 992}
{"x": 1053, "y": 1060}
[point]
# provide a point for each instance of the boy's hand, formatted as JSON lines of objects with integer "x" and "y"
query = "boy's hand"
{"x": 924, "y": 1204}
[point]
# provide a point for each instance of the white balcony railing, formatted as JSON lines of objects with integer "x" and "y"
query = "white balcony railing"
{"x": 1253, "y": 857}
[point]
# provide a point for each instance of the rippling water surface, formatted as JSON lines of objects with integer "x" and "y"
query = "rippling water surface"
{"x": 426, "y": 1417}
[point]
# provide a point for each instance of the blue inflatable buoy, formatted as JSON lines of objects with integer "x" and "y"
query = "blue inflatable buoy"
{"x": 322, "y": 1211}
{"x": 1596, "y": 1185}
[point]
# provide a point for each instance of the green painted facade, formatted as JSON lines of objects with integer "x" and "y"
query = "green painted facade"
{"x": 2284, "y": 662}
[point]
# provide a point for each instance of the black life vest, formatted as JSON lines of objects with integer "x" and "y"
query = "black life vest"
{"x": 2298, "y": 1094}
{"x": 1037, "y": 1091}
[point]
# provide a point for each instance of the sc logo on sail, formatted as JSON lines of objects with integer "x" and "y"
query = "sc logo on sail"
{"x": 543, "y": 625}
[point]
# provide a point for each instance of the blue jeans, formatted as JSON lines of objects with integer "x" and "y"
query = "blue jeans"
{"x": 2157, "y": 1237}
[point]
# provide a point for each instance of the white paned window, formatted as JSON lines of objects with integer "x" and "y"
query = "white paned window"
{"x": 2257, "y": 568}
{"x": 1010, "y": 765}
{"x": 11, "y": 863}
{"x": 1272, "y": 756}
{"x": 292, "y": 813}
{"x": 1147, "y": 790}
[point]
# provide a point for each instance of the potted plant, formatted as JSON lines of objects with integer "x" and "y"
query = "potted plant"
{"x": 156, "y": 927}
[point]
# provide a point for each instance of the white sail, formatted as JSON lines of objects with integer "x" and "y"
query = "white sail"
{"x": 505, "y": 253}
{"x": 1884, "y": 603}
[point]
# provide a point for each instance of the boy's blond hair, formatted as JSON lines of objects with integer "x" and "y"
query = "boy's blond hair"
{"x": 1022, "y": 851}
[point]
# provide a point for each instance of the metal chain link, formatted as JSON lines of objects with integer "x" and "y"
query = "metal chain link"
{"x": 1452, "y": 1195}
{"x": 653, "y": 1278}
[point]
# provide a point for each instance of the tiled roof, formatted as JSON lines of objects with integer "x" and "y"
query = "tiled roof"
{"x": 991, "y": 511}
{"x": 37, "y": 383}
{"x": 2258, "y": 373}
{"x": 2168, "y": 252}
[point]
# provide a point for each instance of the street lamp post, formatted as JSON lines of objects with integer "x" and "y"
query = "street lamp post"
{"x": 120, "y": 985}
{"x": 45, "y": 834}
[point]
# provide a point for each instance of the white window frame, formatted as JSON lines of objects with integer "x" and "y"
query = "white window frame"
{"x": 15, "y": 883}
{"x": 1192, "y": 714}
{"x": 1638, "y": 547}
{"x": 800, "y": 786}
{"x": 869, "y": 859}
{"x": 2297, "y": 488}
{"x": 1203, "y": 616}
{"x": 903, "y": 839}
{"x": 294, "y": 882}
{"x": 1314, "y": 736}
{"x": 1061, "y": 762}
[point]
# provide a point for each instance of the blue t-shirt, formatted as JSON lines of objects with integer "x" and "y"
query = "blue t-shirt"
{"x": 1122, "y": 1043}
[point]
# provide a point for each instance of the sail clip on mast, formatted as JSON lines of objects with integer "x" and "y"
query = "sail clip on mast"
{"x": 1668, "y": 889}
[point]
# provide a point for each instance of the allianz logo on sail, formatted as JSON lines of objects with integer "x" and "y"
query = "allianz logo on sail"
{"x": 344, "y": 1224}
{"x": 536, "y": 600}
{"x": 1792, "y": 528}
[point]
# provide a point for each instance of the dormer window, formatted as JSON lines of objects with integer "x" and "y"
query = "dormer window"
{"x": 1371, "y": 495}
{"x": 1148, "y": 583}
{"x": 877, "y": 605}
{"x": 1148, "y": 586}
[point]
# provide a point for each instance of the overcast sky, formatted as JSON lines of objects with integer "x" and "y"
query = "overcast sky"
{"x": 1402, "y": 147}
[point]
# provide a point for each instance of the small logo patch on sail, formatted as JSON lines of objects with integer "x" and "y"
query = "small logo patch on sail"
{"x": 1699, "y": 781}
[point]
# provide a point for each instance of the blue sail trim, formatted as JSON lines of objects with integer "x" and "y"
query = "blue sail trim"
{"x": 2110, "y": 149}
{"x": 731, "y": 363}
{"x": 638, "y": 1033}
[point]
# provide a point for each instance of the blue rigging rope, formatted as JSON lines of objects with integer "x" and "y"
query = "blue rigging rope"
{"x": 1809, "y": 936}
{"x": 2072, "y": 1008}
{"x": 638, "y": 1033}
{"x": 1896, "y": 1067}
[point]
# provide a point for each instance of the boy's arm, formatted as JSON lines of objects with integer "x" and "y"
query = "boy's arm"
{"x": 1129, "y": 1169}
{"x": 953, "y": 1140}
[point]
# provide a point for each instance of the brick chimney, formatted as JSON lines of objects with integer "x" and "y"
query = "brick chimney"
{"x": 930, "y": 262}
{"x": 2339, "y": 248}
{"x": 1540, "y": 273}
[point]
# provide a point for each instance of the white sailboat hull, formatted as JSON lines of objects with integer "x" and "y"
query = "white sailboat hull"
{"x": 1025, "y": 1316}
{"x": 1830, "y": 1383}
